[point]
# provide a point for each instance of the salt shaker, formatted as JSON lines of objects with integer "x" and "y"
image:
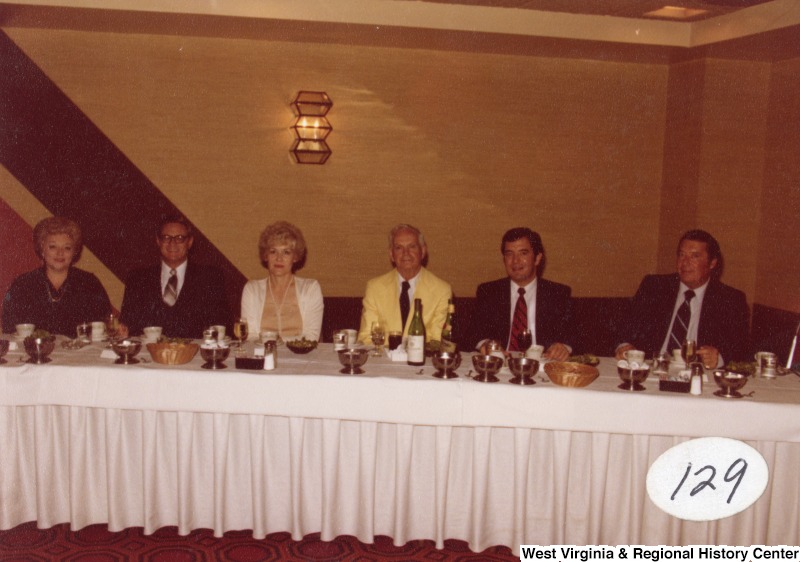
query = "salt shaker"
{"x": 270, "y": 355}
{"x": 696, "y": 386}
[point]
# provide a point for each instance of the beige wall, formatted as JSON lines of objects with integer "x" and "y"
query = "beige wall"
{"x": 463, "y": 145}
{"x": 735, "y": 106}
{"x": 778, "y": 260}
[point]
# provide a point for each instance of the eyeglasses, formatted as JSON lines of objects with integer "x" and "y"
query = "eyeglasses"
{"x": 166, "y": 238}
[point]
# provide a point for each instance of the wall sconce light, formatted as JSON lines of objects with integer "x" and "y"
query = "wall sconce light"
{"x": 311, "y": 127}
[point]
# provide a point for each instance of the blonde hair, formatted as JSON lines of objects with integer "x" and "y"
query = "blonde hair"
{"x": 57, "y": 225}
{"x": 283, "y": 232}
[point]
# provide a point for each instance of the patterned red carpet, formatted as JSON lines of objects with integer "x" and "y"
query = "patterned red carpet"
{"x": 95, "y": 543}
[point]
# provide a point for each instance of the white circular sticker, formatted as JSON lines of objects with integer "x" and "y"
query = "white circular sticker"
{"x": 707, "y": 478}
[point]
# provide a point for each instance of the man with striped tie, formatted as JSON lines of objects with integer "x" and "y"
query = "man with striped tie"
{"x": 505, "y": 308}
{"x": 181, "y": 296}
{"x": 690, "y": 304}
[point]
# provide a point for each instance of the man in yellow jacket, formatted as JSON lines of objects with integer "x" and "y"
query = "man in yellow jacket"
{"x": 389, "y": 297}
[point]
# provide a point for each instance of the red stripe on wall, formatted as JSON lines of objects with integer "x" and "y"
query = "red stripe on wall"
{"x": 16, "y": 247}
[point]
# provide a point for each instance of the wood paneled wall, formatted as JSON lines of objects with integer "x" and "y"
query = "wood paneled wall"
{"x": 602, "y": 158}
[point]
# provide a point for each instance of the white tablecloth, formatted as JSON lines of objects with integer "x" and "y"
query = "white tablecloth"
{"x": 306, "y": 449}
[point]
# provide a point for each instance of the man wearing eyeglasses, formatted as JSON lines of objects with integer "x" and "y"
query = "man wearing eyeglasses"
{"x": 179, "y": 295}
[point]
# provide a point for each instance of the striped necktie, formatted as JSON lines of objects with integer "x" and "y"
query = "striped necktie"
{"x": 520, "y": 322}
{"x": 171, "y": 290}
{"x": 680, "y": 326}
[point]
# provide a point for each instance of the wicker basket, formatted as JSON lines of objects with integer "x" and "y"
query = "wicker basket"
{"x": 571, "y": 374}
{"x": 172, "y": 353}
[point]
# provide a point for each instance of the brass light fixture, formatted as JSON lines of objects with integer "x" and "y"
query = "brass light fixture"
{"x": 311, "y": 127}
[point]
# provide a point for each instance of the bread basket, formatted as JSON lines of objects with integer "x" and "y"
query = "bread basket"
{"x": 571, "y": 374}
{"x": 172, "y": 353}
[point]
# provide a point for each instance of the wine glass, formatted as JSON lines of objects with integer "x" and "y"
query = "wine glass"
{"x": 524, "y": 340}
{"x": 240, "y": 331}
{"x": 378, "y": 335}
{"x": 689, "y": 351}
{"x": 112, "y": 327}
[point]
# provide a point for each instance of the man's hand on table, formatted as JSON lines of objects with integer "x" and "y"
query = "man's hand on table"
{"x": 709, "y": 356}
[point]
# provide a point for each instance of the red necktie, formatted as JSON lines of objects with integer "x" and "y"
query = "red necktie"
{"x": 520, "y": 321}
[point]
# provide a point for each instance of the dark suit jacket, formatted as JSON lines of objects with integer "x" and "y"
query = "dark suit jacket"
{"x": 724, "y": 317}
{"x": 201, "y": 302}
{"x": 491, "y": 317}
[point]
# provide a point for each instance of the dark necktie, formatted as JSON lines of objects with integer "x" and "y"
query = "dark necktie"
{"x": 405, "y": 304}
{"x": 171, "y": 290}
{"x": 680, "y": 327}
{"x": 520, "y": 322}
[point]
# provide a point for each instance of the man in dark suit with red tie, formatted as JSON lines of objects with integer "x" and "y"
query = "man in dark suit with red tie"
{"x": 690, "y": 304}
{"x": 505, "y": 307}
{"x": 182, "y": 297}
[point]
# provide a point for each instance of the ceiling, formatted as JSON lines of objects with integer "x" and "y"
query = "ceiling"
{"x": 765, "y": 30}
{"x": 618, "y": 8}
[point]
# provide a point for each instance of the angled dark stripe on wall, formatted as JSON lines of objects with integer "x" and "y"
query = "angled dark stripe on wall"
{"x": 73, "y": 169}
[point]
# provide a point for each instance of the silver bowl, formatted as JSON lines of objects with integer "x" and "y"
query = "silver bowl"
{"x": 214, "y": 357}
{"x": 729, "y": 383}
{"x": 446, "y": 362}
{"x": 632, "y": 378}
{"x": 523, "y": 368}
{"x": 126, "y": 349}
{"x": 487, "y": 366}
{"x": 353, "y": 359}
{"x": 3, "y": 350}
{"x": 39, "y": 349}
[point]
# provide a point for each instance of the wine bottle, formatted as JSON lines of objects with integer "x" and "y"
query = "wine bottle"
{"x": 415, "y": 347}
{"x": 448, "y": 330}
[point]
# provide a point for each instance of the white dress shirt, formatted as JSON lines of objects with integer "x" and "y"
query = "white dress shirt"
{"x": 412, "y": 285}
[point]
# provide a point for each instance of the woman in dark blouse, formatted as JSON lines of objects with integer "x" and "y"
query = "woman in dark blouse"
{"x": 55, "y": 297}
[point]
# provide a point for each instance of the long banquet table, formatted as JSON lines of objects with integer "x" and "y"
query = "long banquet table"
{"x": 391, "y": 452}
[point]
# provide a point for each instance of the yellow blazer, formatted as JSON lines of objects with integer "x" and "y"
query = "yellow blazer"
{"x": 382, "y": 300}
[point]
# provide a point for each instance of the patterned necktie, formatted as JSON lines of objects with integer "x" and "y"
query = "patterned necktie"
{"x": 680, "y": 327}
{"x": 405, "y": 304}
{"x": 171, "y": 290}
{"x": 520, "y": 322}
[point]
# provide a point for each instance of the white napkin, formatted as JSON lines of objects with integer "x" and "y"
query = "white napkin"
{"x": 398, "y": 354}
{"x": 108, "y": 354}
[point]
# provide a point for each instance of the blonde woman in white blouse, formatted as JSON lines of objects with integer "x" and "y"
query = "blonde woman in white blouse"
{"x": 282, "y": 302}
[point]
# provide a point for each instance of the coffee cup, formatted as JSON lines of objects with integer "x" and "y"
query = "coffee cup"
{"x": 352, "y": 337}
{"x": 152, "y": 333}
{"x": 535, "y": 352}
{"x": 635, "y": 356}
{"x": 98, "y": 331}
{"x": 676, "y": 356}
{"x": 25, "y": 330}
